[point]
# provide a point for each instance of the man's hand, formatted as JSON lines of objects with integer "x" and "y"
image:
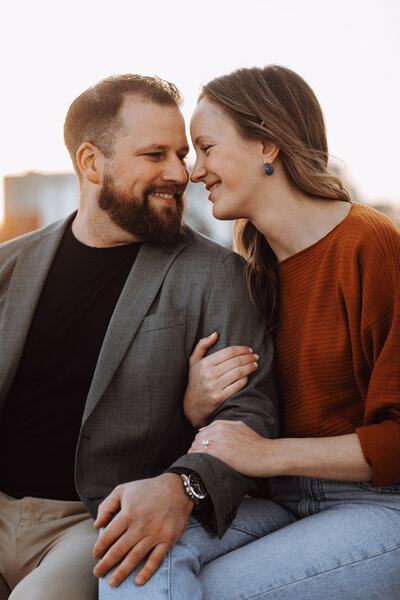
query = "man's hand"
{"x": 153, "y": 514}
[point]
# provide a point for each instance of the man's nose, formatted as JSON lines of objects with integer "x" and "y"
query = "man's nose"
{"x": 176, "y": 171}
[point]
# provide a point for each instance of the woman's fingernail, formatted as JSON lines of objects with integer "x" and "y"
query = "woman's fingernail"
{"x": 112, "y": 582}
{"x": 251, "y": 349}
{"x": 255, "y": 364}
{"x": 256, "y": 356}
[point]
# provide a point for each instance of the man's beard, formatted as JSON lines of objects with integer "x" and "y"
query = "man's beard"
{"x": 135, "y": 215}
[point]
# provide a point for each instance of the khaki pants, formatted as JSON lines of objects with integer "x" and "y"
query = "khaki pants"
{"x": 46, "y": 550}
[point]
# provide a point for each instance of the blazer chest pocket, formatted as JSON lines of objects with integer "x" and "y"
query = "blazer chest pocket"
{"x": 163, "y": 320}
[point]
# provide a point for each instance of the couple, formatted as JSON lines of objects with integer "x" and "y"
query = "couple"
{"x": 105, "y": 326}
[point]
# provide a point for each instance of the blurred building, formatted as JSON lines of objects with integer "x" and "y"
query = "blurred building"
{"x": 34, "y": 200}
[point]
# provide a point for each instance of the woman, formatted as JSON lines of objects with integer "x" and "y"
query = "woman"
{"x": 325, "y": 273}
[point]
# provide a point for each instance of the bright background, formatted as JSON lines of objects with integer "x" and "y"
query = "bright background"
{"x": 348, "y": 50}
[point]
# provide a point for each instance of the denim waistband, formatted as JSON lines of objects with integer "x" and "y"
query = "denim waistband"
{"x": 305, "y": 496}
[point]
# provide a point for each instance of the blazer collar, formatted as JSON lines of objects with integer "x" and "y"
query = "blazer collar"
{"x": 140, "y": 289}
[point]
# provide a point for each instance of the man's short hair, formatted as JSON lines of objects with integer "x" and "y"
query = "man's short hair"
{"x": 94, "y": 115}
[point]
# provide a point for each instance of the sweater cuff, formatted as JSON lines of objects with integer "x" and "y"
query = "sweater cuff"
{"x": 380, "y": 444}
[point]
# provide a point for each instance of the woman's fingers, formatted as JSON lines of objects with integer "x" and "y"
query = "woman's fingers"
{"x": 236, "y": 386}
{"x": 227, "y": 354}
{"x": 247, "y": 360}
{"x": 201, "y": 348}
{"x": 235, "y": 375}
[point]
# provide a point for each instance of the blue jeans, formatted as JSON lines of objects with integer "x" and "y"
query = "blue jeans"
{"x": 177, "y": 578}
{"x": 328, "y": 540}
{"x": 344, "y": 544}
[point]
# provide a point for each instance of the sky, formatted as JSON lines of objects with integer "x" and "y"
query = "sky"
{"x": 347, "y": 50}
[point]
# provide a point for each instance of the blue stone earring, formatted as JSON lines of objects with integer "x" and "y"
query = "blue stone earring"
{"x": 269, "y": 169}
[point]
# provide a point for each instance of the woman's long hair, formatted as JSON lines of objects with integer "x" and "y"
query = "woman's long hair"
{"x": 277, "y": 105}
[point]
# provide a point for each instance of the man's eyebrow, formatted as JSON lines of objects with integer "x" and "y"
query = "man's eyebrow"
{"x": 160, "y": 148}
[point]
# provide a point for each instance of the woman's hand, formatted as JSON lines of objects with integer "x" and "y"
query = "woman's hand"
{"x": 237, "y": 445}
{"x": 213, "y": 379}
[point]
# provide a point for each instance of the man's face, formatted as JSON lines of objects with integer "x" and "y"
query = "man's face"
{"x": 145, "y": 178}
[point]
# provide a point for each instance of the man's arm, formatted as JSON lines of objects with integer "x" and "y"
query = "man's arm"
{"x": 229, "y": 311}
{"x": 150, "y": 515}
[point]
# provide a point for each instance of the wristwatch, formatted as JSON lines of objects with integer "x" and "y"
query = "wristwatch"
{"x": 194, "y": 487}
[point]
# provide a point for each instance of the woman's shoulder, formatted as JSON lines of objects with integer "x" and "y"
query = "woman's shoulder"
{"x": 369, "y": 237}
{"x": 366, "y": 220}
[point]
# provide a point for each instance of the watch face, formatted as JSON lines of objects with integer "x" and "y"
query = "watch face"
{"x": 197, "y": 486}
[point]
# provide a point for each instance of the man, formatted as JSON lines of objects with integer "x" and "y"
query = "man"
{"x": 99, "y": 314}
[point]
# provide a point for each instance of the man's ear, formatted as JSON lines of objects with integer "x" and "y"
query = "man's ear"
{"x": 90, "y": 162}
{"x": 270, "y": 151}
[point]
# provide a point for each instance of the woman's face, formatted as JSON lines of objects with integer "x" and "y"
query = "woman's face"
{"x": 231, "y": 167}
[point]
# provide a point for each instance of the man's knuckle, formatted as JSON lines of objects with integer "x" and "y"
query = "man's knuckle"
{"x": 135, "y": 556}
{"x": 106, "y": 538}
{"x": 148, "y": 570}
{"x": 122, "y": 548}
{"x": 122, "y": 571}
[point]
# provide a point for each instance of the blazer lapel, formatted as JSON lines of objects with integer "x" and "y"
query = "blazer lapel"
{"x": 23, "y": 293}
{"x": 141, "y": 287}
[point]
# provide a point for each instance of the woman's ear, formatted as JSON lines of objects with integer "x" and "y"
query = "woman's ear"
{"x": 89, "y": 159}
{"x": 270, "y": 151}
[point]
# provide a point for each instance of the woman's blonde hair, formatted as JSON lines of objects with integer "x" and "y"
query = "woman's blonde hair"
{"x": 275, "y": 104}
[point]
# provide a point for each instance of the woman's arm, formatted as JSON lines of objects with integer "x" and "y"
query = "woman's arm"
{"x": 338, "y": 457}
{"x": 213, "y": 379}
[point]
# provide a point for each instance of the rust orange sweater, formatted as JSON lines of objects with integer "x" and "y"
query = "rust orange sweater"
{"x": 338, "y": 342}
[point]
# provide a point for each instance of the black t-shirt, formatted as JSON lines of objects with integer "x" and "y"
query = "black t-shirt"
{"x": 40, "y": 424}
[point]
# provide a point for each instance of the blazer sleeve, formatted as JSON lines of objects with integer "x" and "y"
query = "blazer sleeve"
{"x": 229, "y": 311}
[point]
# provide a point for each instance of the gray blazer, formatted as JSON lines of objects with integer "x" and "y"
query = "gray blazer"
{"x": 133, "y": 425}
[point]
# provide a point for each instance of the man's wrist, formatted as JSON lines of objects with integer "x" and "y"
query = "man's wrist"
{"x": 194, "y": 487}
{"x": 176, "y": 482}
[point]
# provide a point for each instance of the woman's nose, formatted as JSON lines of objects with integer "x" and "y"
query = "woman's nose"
{"x": 197, "y": 173}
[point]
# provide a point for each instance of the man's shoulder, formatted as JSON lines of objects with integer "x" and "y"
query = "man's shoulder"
{"x": 208, "y": 250}
{"x": 14, "y": 246}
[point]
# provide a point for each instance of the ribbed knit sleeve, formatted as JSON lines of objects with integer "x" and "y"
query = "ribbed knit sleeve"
{"x": 380, "y": 433}
{"x": 338, "y": 342}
